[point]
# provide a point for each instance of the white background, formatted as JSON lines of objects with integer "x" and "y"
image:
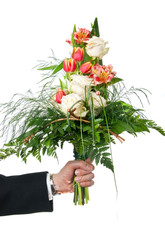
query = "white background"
{"x": 135, "y": 31}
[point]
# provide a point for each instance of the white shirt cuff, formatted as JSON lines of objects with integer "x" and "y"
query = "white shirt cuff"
{"x": 50, "y": 195}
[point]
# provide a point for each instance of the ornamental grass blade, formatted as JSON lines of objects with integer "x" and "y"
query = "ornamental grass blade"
{"x": 48, "y": 68}
{"x": 58, "y": 68}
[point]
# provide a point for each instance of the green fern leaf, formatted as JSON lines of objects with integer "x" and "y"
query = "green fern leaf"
{"x": 107, "y": 163}
{"x": 97, "y": 158}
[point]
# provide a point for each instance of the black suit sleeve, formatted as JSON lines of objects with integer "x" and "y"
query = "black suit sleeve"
{"x": 24, "y": 194}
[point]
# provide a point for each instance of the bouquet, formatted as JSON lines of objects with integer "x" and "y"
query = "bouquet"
{"x": 82, "y": 102}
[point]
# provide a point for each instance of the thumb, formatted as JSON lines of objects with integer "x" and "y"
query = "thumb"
{"x": 88, "y": 160}
{"x": 80, "y": 164}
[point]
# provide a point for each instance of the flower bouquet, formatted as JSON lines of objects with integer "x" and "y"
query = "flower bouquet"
{"x": 82, "y": 102}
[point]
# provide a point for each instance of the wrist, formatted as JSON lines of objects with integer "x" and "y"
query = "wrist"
{"x": 56, "y": 184}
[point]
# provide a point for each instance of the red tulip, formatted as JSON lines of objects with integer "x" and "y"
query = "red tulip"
{"x": 78, "y": 54}
{"x": 59, "y": 95}
{"x": 86, "y": 67}
{"x": 69, "y": 65}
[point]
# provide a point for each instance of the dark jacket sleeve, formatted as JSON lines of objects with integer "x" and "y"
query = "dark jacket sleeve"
{"x": 24, "y": 194}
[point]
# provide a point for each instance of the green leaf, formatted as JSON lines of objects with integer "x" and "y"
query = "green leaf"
{"x": 62, "y": 144}
{"x": 106, "y": 154}
{"x": 93, "y": 154}
{"x": 90, "y": 149}
{"x": 98, "y": 120}
{"x": 95, "y": 29}
{"x": 97, "y": 125}
{"x": 140, "y": 127}
{"x": 120, "y": 126}
{"x": 2, "y": 156}
{"x": 103, "y": 149}
{"x": 107, "y": 163}
{"x": 97, "y": 134}
{"x": 44, "y": 150}
{"x": 98, "y": 145}
{"x": 97, "y": 158}
{"x": 72, "y": 124}
{"x": 48, "y": 68}
{"x": 86, "y": 128}
{"x": 63, "y": 85}
{"x": 47, "y": 142}
{"x": 58, "y": 68}
{"x": 51, "y": 127}
{"x": 72, "y": 38}
{"x": 87, "y": 58}
{"x": 115, "y": 80}
{"x": 153, "y": 125}
{"x": 61, "y": 130}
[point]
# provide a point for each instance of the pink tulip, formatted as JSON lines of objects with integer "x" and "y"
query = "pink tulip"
{"x": 86, "y": 67}
{"x": 69, "y": 65}
{"x": 78, "y": 54}
{"x": 59, "y": 95}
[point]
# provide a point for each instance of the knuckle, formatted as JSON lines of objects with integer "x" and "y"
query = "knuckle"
{"x": 91, "y": 183}
{"x": 83, "y": 164}
{"x": 87, "y": 184}
{"x": 69, "y": 162}
{"x": 84, "y": 184}
{"x": 80, "y": 163}
{"x": 93, "y": 167}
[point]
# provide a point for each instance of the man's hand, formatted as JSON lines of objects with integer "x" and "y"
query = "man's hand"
{"x": 63, "y": 180}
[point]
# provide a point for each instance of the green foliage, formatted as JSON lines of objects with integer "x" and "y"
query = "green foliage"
{"x": 72, "y": 38}
{"x": 95, "y": 29}
{"x": 115, "y": 80}
{"x": 151, "y": 124}
{"x": 48, "y": 68}
{"x": 87, "y": 58}
{"x": 4, "y": 153}
{"x": 95, "y": 32}
{"x": 124, "y": 117}
{"x": 58, "y": 68}
{"x": 100, "y": 154}
{"x": 33, "y": 126}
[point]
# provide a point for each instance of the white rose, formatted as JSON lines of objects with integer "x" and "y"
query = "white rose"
{"x": 70, "y": 99}
{"x": 78, "y": 84}
{"x": 81, "y": 80}
{"x": 78, "y": 89}
{"x": 98, "y": 101}
{"x": 96, "y": 47}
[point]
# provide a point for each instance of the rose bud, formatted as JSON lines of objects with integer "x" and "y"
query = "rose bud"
{"x": 97, "y": 92}
{"x": 59, "y": 95}
{"x": 69, "y": 65}
{"x": 86, "y": 67}
{"x": 78, "y": 54}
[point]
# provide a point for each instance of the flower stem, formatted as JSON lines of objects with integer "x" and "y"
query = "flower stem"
{"x": 79, "y": 194}
{"x": 75, "y": 192}
{"x": 86, "y": 195}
